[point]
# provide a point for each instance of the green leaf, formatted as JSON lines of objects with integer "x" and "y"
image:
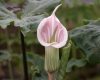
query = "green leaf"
{"x": 34, "y": 7}
{"x": 29, "y": 23}
{"x": 26, "y": 22}
{"x": 95, "y": 58}
{"x": 87, "y": 38}
{"x": 31, "y": 16}
{"x": 75, "y": 63}
{"x": 6, "y": 16}
{"x": 4, "y": 55}
{"x": 33, "y": 13}
{"x": 37, "y": 68}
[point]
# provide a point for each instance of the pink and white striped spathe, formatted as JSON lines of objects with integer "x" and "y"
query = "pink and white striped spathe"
{"x": 51, "y": 32}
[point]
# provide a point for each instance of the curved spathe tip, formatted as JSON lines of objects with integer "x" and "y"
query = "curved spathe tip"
{"x": 53, "y": 13}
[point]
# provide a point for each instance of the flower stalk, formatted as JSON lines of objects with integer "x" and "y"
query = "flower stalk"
{"x": 24, "y": 57}
{"x": 51, "y": 59}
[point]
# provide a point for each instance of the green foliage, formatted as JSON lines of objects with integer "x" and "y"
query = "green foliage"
{"x": 17, "y": 1}
{"x": 73, "y": 3}
{"x": 75, "y": 63}
{"x": 37, "y": 68}
{"x": 32, "y": 13}
{"x": 26, "y": 23}
{"x": 6, "y": 16}
{"x": 87, "y": 38}
{"x": 36, "y": 7}
{"x": 4, "y": 56}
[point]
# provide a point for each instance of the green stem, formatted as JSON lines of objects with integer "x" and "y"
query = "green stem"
{"x": 64, "y": 61}
{"x": 9, "y": 50}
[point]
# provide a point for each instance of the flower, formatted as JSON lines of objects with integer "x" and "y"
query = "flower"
{"x": 51, "y": 32}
